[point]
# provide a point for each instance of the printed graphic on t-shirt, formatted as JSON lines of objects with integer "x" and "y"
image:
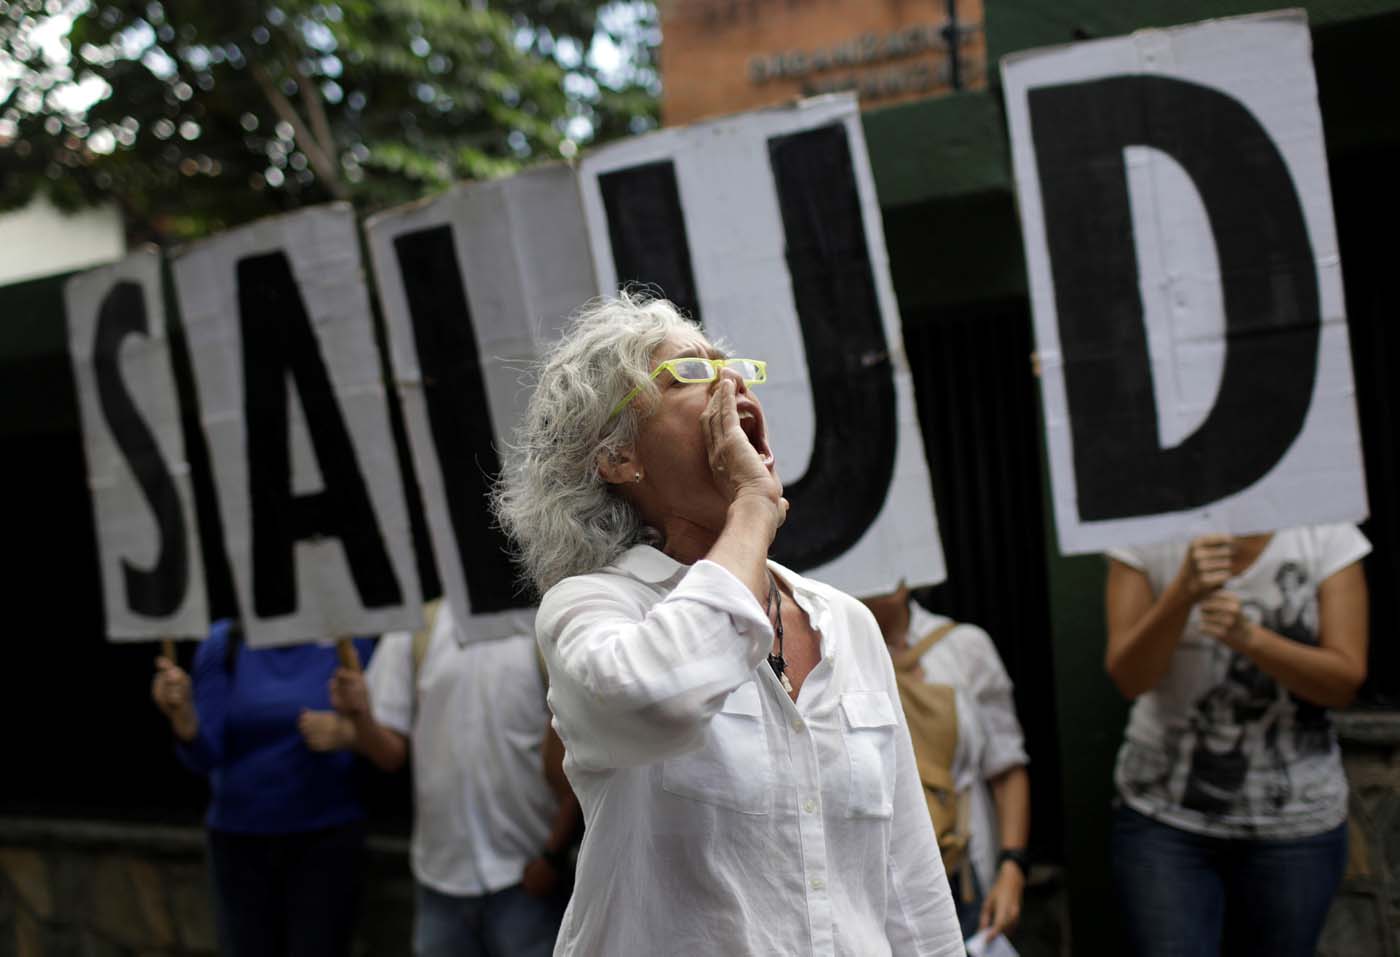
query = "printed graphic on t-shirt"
{"x": 1247, "y": 739}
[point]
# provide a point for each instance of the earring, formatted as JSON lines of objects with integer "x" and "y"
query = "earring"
{"x": 636, "y": 477}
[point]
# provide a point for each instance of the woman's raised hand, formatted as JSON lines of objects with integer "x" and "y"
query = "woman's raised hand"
{"x": 1206, "y": 566}
{"x": 736, "y": 465}
{"x": 172, "y": 693}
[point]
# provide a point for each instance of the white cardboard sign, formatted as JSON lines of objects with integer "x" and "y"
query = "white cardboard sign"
{"x": 1185, "y": 283}
{"x": 294, "y": 409}
{"x": 766, "y": 228}
{"x": 474, "y": 285}
{"x": 143, "y": 505}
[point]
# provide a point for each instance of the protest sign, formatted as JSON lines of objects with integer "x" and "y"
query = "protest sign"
{"x": 765, "y": 228}
{"x": 474, "y": 285}
{"x": 142, "y": 502}
{"x": 1185, "y": 283}
{"x": 291, "y": 393}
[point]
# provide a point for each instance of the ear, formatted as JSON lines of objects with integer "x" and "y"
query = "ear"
{"x": 619, "y": 467}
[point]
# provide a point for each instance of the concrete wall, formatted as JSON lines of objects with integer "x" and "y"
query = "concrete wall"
{"x": 1365, "y": 919}
{"x": 116, "y": 890}
{"x": 112, "y": 890}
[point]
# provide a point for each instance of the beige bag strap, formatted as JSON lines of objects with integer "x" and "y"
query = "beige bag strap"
{"x": 906, "y": 657}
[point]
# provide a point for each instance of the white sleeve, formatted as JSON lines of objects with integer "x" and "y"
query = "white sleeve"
{"x": 991, "y": 688}
{"x": 1339, "y": 546}
{"x": 628, "y": 687}
{"x": 920, "y": 918}
{"x": 1128, "y": 557}
{"x": 390, "y": 680}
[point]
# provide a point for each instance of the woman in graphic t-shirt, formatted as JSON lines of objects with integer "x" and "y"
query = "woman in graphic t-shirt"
{"x": 1230, "y": 834}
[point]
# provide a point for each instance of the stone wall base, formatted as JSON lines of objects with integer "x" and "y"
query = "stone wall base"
{"x": 118, "y": 890}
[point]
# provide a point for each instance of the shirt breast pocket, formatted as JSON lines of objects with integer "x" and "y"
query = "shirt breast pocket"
{"x": 868, "y": 732}
{"x": 732, "y": 769}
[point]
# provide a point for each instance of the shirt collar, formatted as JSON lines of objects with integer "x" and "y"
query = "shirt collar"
{"x": 653, "y": 566}
{"x": 809, "y": 598}
{"x": 648, "y": 564}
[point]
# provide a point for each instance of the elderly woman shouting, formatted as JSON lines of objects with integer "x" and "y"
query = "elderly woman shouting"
{"x": 733, "y": 730}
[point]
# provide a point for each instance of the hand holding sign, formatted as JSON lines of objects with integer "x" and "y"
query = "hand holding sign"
{"x": 326, "y": 730}
{"x": 1206, "y": 566}
{"x": 173, "y": 695}
{"x": 349, "y": 693}
{"x": 1222, "y": 617}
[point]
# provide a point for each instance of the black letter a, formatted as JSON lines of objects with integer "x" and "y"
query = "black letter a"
{"x": 277, "y": 342}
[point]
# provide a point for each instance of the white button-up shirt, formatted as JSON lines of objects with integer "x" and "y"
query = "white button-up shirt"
{"x": 722, "y": 817}
{"x": 475, "y": 714}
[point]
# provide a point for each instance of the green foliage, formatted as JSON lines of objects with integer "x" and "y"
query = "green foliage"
{"x": 195, "y": 116}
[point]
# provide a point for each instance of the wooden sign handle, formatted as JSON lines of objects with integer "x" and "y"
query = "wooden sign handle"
{"x": 167, "y": 648}
{"x": 349, "y": 657}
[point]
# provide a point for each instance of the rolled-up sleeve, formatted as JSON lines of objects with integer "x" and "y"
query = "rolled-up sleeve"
{"x": 631, "y": 684}
{"x": 390, "y": 678}
{"x": 992, "y": 691}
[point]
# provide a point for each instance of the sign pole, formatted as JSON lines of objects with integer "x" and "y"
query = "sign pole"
{"x": 349, "y": 657}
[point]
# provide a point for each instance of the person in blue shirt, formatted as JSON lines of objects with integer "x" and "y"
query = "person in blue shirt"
{"x": 286, "y": 824}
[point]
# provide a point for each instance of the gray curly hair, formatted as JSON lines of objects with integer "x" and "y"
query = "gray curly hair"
{"x": 550, "y": 499}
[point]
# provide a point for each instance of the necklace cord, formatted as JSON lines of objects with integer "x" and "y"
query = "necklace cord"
{"x": 775, "y": 601}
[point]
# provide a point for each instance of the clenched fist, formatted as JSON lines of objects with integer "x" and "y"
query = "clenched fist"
{"x": 173, "y": 695}
{"x": 1223, "y": 618}
{"x": 326, "y": 730}
{"x": 349, "y": 693}
{"x": 1206, "y": 566}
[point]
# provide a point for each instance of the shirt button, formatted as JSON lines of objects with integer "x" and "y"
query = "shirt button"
{"x": 818, "y": 883}
{"x": 809, "y": 805}
{"x": 797, "y": 726}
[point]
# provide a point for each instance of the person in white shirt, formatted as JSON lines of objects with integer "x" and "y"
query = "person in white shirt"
{"x": 733, "y": 730}
{"x": 1230, "y": 832}
{"x": 989, "y": 763}
{"x": 490, "y": 834}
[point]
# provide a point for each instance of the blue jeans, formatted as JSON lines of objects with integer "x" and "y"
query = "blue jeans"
{"x": 287, "y": 895}
{"x": 969, "y": 911}
{"x": 506, "y": 923}
{"x": 1184, "y": 895}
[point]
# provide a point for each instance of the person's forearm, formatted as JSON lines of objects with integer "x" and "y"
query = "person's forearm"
{"x": 387, "y": 749}
{"x": 742, "y": 546}
{"x": 1011, "y": 791}
{"x": 1139, "y": 656}
{"x": 1322, "y": 676}
{"x": 566, "y": 826}
{"x": 185, "y": 726}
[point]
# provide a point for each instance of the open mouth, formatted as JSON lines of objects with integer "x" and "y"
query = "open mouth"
{"x": 751, "y": 421}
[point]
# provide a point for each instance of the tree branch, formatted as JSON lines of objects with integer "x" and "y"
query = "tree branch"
{"x": 320, "y": 162}
{"x": 316, "y": 110}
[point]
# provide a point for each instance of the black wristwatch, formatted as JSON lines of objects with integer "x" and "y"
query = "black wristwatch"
{"x": 1017, "y": 856}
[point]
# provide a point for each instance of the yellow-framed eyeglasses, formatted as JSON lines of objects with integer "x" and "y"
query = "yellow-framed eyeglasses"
{"x": 698, "y": 369}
